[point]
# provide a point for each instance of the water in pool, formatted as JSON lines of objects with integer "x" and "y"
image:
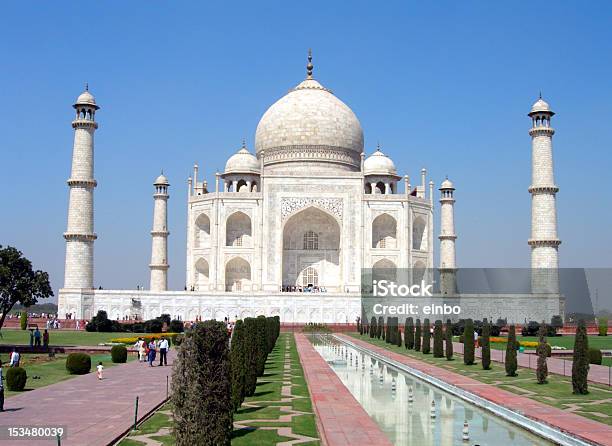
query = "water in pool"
{"x": 412, "y": 412}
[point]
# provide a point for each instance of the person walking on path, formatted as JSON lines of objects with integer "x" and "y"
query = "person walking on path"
{"x": 37, "y": 337}
{"x": 46, "y": 339}
{"x": 151, "y": 352}
{"x": 476, "y": 339}
{"x": 163, "y": 350}
{"x": 15, "y": 358}
{"x": 1, "y": 389}
{"x": 140, "y": 347}
{"x": 99, "y": 368}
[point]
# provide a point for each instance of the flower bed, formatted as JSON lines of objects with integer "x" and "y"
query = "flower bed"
{"x": 132, "y": 340}
{"x": 498, "y": 340}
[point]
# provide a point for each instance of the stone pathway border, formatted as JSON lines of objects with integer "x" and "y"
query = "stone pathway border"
{"x": 574, "y": 425}
{"x": 340, "y": 418}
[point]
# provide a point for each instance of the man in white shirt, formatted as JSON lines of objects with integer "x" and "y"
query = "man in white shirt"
{"x": 15, "y": 358}
{"x": 163, "y": 350}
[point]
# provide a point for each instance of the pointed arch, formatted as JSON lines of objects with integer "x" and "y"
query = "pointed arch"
{"x": 237, "y": 275}
{"x": 238, "y": 230}
{"x": 201, "y": 234}
{"x": 419, "y": 233}
{"x": 202, "y": 274}
{"x": 384, "y": 269}
{"x": 384, "y": 232}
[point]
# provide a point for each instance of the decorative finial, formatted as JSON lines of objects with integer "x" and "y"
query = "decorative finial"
{"x": 243, "y": 143}
{"x": 310, "y": 66}
{"x": 162, "y": 171}
{"x": 86, "y": 86}
{"x": 540, "y": 94}
{"x": 378, "y": 146}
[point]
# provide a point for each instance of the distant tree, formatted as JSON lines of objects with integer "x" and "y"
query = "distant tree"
{"x": 438, "y": 341}
{"x": 19, "y": 283}
{"x": 251, "y": 355}
{"x": 398, "y": 333}
{"x": 485, "y": 342}
{"x": 23, "y": 319}
{"x": 603, "y": 326}
{"x": 409, "y": 333}
{"x": 580, "y": 365}
{"x": 542, "y": 351}
{"x": 417, "y": 336}
{"x": 387, "y": 335}
{"x": 262, "y": 344}
{"x": 201, "y": 387}
{"x": 556, "y": 322}
{"x": 381, "y": 328}
{"x": 468, "y": 342}
{"x": 426, "y": 344}
{"x": 373, "y": 328}
{"x": 176, "y": 326}
{"x": 511, "y": 363}
{"x": 238, "y": 365}
{"x": 448, "y": 333}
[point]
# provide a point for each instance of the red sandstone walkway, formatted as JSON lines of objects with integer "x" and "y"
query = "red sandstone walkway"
{"x": 575, "y": 425}
{"x": 340, "y": 418}
{"x": 94, "y": 412}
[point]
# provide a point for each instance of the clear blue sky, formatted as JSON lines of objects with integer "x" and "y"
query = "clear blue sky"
{"x": 445, "y": 85}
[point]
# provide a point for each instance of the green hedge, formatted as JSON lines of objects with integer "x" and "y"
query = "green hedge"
{"x": 78, "y": 363}
{"x": 16, "y": 378}
{"x": 119, "y": 354}
{"x": 595, "y": 356}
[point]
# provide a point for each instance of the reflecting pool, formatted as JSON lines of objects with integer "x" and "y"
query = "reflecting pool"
{"x": 411, "y": 411}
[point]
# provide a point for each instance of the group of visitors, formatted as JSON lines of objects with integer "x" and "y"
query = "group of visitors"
{"x": 54, "y": 324}
{"x": 148, "y": 351}
{"x": 303, "y": 289}
{"x": 36, "y": 337}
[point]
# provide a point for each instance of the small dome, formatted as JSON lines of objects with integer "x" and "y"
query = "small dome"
{"x": 540, "y": 106}
{"x": 447, "y": 184}
{"x": 86, "y": 98}
{"x": 242, "y": 162}
{"x": 379, "y": 164}
{"x": 161, "y": 181}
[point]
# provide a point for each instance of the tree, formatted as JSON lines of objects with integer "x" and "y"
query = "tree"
{"x": 19, "y": 283}
{"x": 373, "y": 327}
{"x": 398, "y": 333}
{"x": 438, "y": 341}
{"x": 251, "y": 355}
{"x": 417, "y": 336}
{"x": 426, "y": 344}
{"x": 381, "y": 328}
{"x": 511, "y": 364}
{"x": 262, "y": 344}
{"x": 542, "y": 351}
{"x": 468, "y": 342}
{"x": 485, "y": 342}
{"x": 449, "y": 340}
{"x": 580, "y": 365}
{"x": 387, "y": 334}
{"x": 23, "y": 319}
{"x": 201, "y": 388}
{"x": 238, "y": 365}
{"x": 409, "y": 334}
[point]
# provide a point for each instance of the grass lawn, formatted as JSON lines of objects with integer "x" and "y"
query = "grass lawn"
{"x": 260, "y": 410}
{"x": 567, "y": 341}
{"x": 62, "y": 337}
{"x": 557, "y": 393}
{"x": 43, "y": 370}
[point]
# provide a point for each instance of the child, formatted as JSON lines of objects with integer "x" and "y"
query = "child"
{"x": 100, "y": 368}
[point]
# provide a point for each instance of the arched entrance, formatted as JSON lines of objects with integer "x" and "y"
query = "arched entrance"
{"x": 311, "y": 251}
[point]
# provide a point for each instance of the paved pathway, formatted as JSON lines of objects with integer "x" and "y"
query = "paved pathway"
{"x": 340, "y": 418}
{"x": 597, "y": 373}
{"x": 597, "y": 433}
{"x": 94, "y": 412}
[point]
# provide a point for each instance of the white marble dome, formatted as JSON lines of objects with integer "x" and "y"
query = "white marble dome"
{"x": 161, "y": 181}
{"x": 242, "y": 162}
{"x": 310, "y": 124}
{"x": 86, "y": 98}
{"x": 379, "y": 164}
{"x": 447, "y": 184}
{"x": 540, "y": 106}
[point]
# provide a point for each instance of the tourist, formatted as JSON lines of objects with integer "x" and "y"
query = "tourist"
{"x": 37, "y": 337}
{"x": 1, "y": 389}
{"x": 46, "y": 339}
{"x": 475, "y": 339}
{"x": 141, "y": 349}
{"x": 15, "y": 358}
{"x": 151, "y": 352}
{"x": 99, "y": 368}
{"x": 163, "y": 350}
{"x": 78, "y": 324}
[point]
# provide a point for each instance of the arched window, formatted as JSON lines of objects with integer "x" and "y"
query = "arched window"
{"x": 311, "y": 241}
{"x": 202, "y": 231}
{"x": 384, "y": 232}
{"x": 237, "y": 275}
{"x": 419, "y": 234}
{"x": 380, "y": 188}
{"x": 241, "y": 186}
{"x": 238, "y": 230}
{"x": 310, "y": 277}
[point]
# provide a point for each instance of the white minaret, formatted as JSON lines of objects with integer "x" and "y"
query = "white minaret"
{"x": 79, "y": 235}
{"x": 544, "y": 241}
{"x": 448, "y": 282}
{"x": 159, "y": 246}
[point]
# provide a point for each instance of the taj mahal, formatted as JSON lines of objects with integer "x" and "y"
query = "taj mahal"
{"x": 288, "y": 228}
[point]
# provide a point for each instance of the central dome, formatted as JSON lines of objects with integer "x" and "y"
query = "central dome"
{"x": 309, "y": 125}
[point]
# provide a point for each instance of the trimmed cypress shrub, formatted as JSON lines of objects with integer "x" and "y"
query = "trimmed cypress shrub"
{"x": 580, "y": 366}
{"x": 238, "y": 365}
{"x": 595, "y": 356}
{"x": 23, "y": 320}
{"x": 602, "y": 328}
{"x": 201, "y": 388}
{"x": 448, "y": 334}
{"x": 381, "y": 327}
{"x": 262, "y": 344}
{"x": 468, "y": 342}
{"x": 438, "y": 341}
{"x": 417, "y": 336}
{"x": 119, "y": 354}
{"x": 511, "y": 364}
{"x": 16, "y": 378}
{"x": 373, "y": 328}
{"x": 485, "y": 342}
{"x": 398, "y": 333}
{"x": 78, "y": 363}
{"x": 176, "y": 326}
{"x": 387, "y": 334}
{"x": 542, "y": 368}
{"x": 251, "y": 356}
{"x": 426, "y": 344}
{"x": 409, "y": 333}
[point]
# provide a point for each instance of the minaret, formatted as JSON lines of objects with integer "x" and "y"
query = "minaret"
{"x": 79, "y": 235}
{"x": 159, "y": 246}
{"x": 448, "y": 267}
{"x": 544, "y": 241}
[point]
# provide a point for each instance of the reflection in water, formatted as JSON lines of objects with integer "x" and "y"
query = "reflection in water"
{"x": 402, "y": 405}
